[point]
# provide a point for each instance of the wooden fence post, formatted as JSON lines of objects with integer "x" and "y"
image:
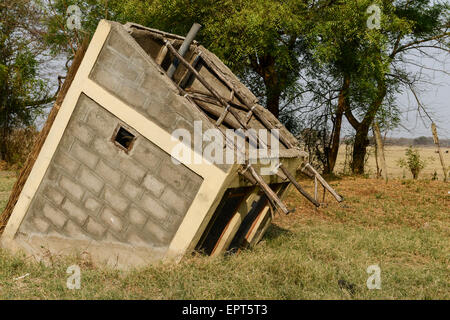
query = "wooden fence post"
{"x": 436, "y": 141}
{"x": 380, "y": 150}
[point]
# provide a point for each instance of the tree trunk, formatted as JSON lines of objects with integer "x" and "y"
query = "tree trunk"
{"x": 360, "y": 150}
{"x": 274, "y": 81}
{"x": 332, "y": 152}
{"x": 273, "y": 100}
{"x": 362, "y": 129}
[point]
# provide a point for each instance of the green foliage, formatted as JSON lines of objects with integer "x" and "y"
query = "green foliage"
{"x": 413, "y": 162}
{"x": 59, "y": 37}
{"x": 23, "y": 94}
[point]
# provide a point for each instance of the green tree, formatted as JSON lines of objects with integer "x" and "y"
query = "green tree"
{"x": 371, "y": 62}
{"x": 261, "y": 41}
{"x": 22, "y": 94}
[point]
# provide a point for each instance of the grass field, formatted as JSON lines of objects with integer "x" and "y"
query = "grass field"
{"x": 393, "y": 154}
{"x": 403, "y": 226}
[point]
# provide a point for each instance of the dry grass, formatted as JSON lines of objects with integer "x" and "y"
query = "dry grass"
{"x": 403, "y": 226}
{"x": 7, "y": 179}
{"x": 393, "y": 154}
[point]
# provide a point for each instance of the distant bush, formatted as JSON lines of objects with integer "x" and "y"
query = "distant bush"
{"x": 19, "y": 145}
{"x": 413, "y": 162}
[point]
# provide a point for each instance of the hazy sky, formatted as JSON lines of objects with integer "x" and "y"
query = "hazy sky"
{"x": 434, "y": 95}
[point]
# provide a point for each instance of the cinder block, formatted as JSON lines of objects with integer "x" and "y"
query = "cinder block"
{"x": 174, "y": 175}
{"x": 192, "y": 187}
{"x": 83, "y": 155}
{"x": 109, "y": 174}
{"x": 66, "y": 143}
{"x": 73, "y": 230}
{"x": 161, "y": 114}
{"x": 152, "y": 83}
{"x": 172, "y": 223}
{"x": 67, "y": 163}
{"x": 136, "y": 217}
{"x": 132, "y": 95}
{"x": 125, "y": 70}
{"x": 153, "y": 185}
{"x": 53, "y": 195}
{"x": 53, "y": 173}
{"x": 41, "y": 225}
{"x": 95, "y": 228}
{"x": 150, "y": 205}
{"x": 182, "y": 123}
{"x": 131, "y": 190}
{"x": 134, "y": 239}
{"x": 56, "y": 217}
{"x": 148, "y": 156}
{"x": 174, "y": 200}
{"x": 71, "y": 187}
{"x": 116, "y": 200}
{"x": 105, "y": 78}
{"x": 156, "y": 231}
{"x": 119, "y": 44}
{"x": 107, "y": 58}
{"x": 108, "y": 151}
{"x": 112, "y": 219}
{"x": 81, "y": 132}
{"x": 111, "y": 238}
{"x": 102, "y": 122}
{"x": 74, "y": 212}
{"x": 138, "y": 61}
{"x": 132, "y": 170}
{"x": 90, "y": 180}
{"x": 92, "y": 204}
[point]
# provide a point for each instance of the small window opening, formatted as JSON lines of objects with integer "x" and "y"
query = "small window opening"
{"x": 124, "y": 138}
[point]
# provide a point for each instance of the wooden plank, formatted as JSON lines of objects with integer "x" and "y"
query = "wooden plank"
{"x": 323, "y": 182}
{"x": 436, "y": 141}
{"x": 298, "y": 186}
{"x": 273, "y": 197}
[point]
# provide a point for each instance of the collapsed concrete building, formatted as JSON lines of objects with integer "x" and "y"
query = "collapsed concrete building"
{"x": 102, "y": 180}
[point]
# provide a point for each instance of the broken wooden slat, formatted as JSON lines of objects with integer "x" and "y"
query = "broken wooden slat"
{"x": 215, "y": 94}
{"x": 316, "y": 193}
{"x": 323, "y": 182}
{"x": 297, "y": 186}
{"x": 198, "y": 95}
{"x": 268, "y": 191}
{"x": 248, "y": 99}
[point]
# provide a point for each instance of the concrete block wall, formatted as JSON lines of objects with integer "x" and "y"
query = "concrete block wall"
{"x": 94, "y": 190}
{"x": 122, "y": 70}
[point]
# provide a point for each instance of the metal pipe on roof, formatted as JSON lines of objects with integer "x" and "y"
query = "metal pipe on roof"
{"x": 184, "y": 48}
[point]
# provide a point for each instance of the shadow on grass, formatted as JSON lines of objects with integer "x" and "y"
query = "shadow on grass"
{"x": 274, "y": 232}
